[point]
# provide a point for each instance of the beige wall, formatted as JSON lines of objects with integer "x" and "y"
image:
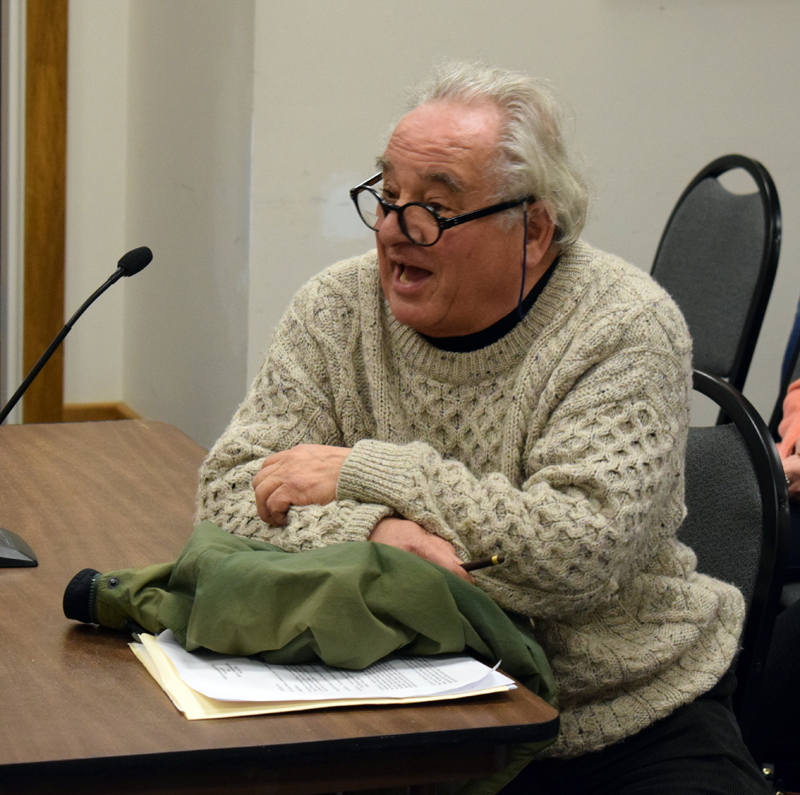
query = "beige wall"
{"x": 97, "y": 124}
{"x": 658, "y": 89}
{"x": 188, "y": 175}
{"x": 159, "y": 154}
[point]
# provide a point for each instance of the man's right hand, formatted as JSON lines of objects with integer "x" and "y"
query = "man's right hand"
{"x": 408, "y": 535}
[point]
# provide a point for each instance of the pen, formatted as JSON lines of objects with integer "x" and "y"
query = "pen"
{"x": 483, "y": 563}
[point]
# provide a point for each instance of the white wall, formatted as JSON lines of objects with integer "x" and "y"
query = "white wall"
{"x": 97, "y": 124}
{"x": 658, "y": 89}
{"x": 188, "y": 176}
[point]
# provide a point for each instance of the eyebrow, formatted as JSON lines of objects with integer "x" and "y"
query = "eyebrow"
{"x": 437, "y": 177}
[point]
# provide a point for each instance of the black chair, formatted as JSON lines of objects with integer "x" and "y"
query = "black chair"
{"x": 717, "y": 258}
{"x": 737, "y": 523}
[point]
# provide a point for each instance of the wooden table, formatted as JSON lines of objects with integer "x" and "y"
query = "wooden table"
{"x": 78, "y": 711}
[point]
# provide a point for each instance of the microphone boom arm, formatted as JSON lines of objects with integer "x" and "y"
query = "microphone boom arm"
{"x": 128, "y": 265}
{"x": 45, "y": 357}
{"x": 13, "y": 549}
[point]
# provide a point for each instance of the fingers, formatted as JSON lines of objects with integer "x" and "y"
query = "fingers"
{"x": 443, "y": 553}
{"x": 412, "y": 537}
{"x": 304, "y": 475}
{"x": 272, "y": 494}
{"x": 263, "y": 491}
{"x": 449, "y": 561}
{"x": 272, "y": 505}
{"x": 791, "y": 468}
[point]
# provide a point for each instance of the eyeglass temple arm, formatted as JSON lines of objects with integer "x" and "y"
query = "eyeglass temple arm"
{"x": 447, "y": 223}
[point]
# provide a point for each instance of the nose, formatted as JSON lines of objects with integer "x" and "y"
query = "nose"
{"x": 389, "y": 231}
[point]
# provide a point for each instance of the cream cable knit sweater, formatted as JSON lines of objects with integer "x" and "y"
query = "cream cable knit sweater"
{"x": 562, "y": 445}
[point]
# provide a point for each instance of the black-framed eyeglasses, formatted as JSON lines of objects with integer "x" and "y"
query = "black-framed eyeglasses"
{"x": 421, "y": 224}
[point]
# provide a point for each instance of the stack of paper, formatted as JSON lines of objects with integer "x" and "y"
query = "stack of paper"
{"x": 203, "y": 684}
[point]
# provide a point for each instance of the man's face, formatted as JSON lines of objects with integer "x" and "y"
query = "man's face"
{"x": 440, "y": 154}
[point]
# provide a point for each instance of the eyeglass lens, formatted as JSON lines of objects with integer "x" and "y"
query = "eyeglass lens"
{"x": 418, "y": 223}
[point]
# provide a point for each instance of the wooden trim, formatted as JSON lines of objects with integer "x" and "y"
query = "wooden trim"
{"x": 98, "y": 412}
{"x": 45, "y": 203}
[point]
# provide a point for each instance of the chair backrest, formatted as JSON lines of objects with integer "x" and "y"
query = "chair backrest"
{"x": 737, "y": 523}
{"x": 717, "y": 259}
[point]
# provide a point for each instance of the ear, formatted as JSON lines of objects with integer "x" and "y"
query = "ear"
{"x": 540, "y": 233}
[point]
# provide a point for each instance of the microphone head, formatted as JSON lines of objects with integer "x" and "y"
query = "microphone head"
{"x": 136, "y": 260}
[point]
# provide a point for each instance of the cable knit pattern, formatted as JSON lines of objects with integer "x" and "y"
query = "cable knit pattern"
{"x": 562, "y": 445}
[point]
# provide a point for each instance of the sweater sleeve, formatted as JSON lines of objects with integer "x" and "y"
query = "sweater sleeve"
{"x": 603, "y": 480}
{"x": 289, "y": 403}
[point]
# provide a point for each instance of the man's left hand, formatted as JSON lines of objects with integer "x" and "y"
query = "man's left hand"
{"x": 305, "y": 475}
{"x": 791, "y": 466}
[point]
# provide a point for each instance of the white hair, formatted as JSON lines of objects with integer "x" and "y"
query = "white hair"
{"x": 534, "y": 158}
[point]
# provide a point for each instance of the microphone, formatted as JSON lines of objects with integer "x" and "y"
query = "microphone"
{"x": 134, "y": 261}
{"x": 13, "y": 550}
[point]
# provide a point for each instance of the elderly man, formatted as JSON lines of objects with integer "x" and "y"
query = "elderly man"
{"x": 485, "y": 381}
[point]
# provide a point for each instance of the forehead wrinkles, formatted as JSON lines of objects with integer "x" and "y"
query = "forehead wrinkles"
{"x": 451, "y": 145}
{"x": 436, "y": 175}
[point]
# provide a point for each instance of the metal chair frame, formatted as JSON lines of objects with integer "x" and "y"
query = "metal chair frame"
{"x": 763, "y": 604}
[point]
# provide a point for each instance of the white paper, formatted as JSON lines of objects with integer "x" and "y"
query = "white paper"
{"x": 228, "y": 678}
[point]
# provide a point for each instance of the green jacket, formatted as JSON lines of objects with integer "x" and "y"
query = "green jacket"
{"x": 347, "y": 605}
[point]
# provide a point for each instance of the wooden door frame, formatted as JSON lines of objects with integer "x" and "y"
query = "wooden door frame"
{"x": 45, "y": 203}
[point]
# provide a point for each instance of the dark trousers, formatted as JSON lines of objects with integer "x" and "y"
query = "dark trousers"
{"x": 697, "y": 750}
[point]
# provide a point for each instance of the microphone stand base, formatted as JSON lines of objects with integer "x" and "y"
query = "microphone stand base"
{"x": 14, "y": 552}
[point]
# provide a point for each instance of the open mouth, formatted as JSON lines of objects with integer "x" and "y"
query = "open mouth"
{"x": 408, "y": 274}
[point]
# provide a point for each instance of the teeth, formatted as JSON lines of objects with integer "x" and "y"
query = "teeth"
{"x": 403, "y": 278}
